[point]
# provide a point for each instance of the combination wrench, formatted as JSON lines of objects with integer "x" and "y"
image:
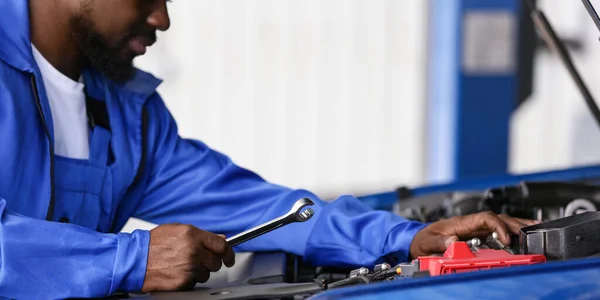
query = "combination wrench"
{"x": 296, "y": 214}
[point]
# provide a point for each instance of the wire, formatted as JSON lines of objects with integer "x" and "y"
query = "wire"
{"x": 590, "y": 8}
{"x": 383, "y": 274}
{"x": 349, "y": 281}
{"x": 558, "y": 47}
{"x": 377, "y": 276}
{"x": 531, "y": 4}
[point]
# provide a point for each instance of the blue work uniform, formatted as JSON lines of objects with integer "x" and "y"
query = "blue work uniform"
{"x": 60, "y": 218}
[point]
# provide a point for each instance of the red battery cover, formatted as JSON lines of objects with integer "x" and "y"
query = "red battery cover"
{"x": 459, "y": 258}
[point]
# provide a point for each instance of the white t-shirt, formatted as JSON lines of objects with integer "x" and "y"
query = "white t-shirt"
{"x": 67, "y": 103}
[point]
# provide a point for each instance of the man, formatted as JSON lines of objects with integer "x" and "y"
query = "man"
{"x": 87, "y": 143}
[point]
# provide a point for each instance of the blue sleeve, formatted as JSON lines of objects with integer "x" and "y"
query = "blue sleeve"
{"x": 194, "y": 184}
{"x": 49, "y": 260}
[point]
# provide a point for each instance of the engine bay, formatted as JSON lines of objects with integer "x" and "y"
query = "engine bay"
{"x": 569, "y": 221}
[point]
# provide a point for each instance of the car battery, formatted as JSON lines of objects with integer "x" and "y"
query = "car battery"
{"x": 461, "y": 258}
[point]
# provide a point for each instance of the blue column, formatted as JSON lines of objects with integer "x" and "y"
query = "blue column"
{"x": 472, "y": 87}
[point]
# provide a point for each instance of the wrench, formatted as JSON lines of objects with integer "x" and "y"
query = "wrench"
{"x": 296, "y": 214}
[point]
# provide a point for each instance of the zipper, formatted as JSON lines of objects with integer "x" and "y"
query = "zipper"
{"x": 50, "y": 213}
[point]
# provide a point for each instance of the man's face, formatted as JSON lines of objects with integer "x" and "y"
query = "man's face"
{"x": 111, "y": 33}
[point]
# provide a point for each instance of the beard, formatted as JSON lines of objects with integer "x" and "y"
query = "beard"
{"x": 114, "y": 60}
{"x": 97, "y": 53}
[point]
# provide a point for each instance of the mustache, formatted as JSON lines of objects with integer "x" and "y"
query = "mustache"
{"x": 141, "y": 30}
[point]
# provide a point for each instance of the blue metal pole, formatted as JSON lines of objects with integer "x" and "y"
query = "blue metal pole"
{"x": 473, "y": 87}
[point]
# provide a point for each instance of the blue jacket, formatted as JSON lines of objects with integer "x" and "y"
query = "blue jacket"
{"x": 60, "y": 227}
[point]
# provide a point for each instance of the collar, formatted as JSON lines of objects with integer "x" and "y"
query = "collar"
{"x": 16, "y": 51}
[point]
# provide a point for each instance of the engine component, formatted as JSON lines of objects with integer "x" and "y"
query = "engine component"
{"x": 381, "y": 267}
{"x": 474, "y": 243}
{"x": 361, "y": 276}
{"x": 460, "y": 258}
{"x": 579, "y": 206}
{"x": 359, "y": 272}
{"x": 567, "y": 238}
{"x": 432, "y": 208}
{"x": 528, "y": 196}
{"x": 493, "y": 242}
{"x": 543, "y": 201}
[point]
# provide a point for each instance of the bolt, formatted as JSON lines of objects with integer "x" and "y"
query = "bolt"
{"x": 474, "y": 242}
{"x": 381, "y": 267}
{"x": 495, "y": 235}
{"x": 359, "y": 272}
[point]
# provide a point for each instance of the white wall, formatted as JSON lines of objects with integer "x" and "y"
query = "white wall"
{"x": 326, "y": 95}
{"x": 320, "y": 94}
{"x": 555, "y": 129}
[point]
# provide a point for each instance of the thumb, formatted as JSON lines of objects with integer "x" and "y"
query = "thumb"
{"x": 222, "y": 235}
{"x": 438, "y": 244}
{"x": 448, "y": 240}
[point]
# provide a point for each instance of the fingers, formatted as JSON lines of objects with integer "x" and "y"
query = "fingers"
{"x": 447, "y": 241}
{"x": 438, "y": 243}
{"x": 218, "y": 245}
{"x": 201, "y": 275}
{"x": 488, "y": 222}
{"x": 209, "y": 261}
{"x": 437, "y": 237}
{"x": 227, "y": 254}
{"x": 229, "y": 258}
{"x": 482, "y": 224}
{"x": 527, "y": 222}
{"x": 496, "y": 224}
{"x": 513, "y": 224}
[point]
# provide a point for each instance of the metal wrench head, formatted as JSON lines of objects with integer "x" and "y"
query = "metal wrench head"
{"x": 298, "y": 213}
{"x": 301, "y": 214}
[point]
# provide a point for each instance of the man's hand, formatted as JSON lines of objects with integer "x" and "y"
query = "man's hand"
{"x": 182, "y": 255}
{"x": 435, "y": 238}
